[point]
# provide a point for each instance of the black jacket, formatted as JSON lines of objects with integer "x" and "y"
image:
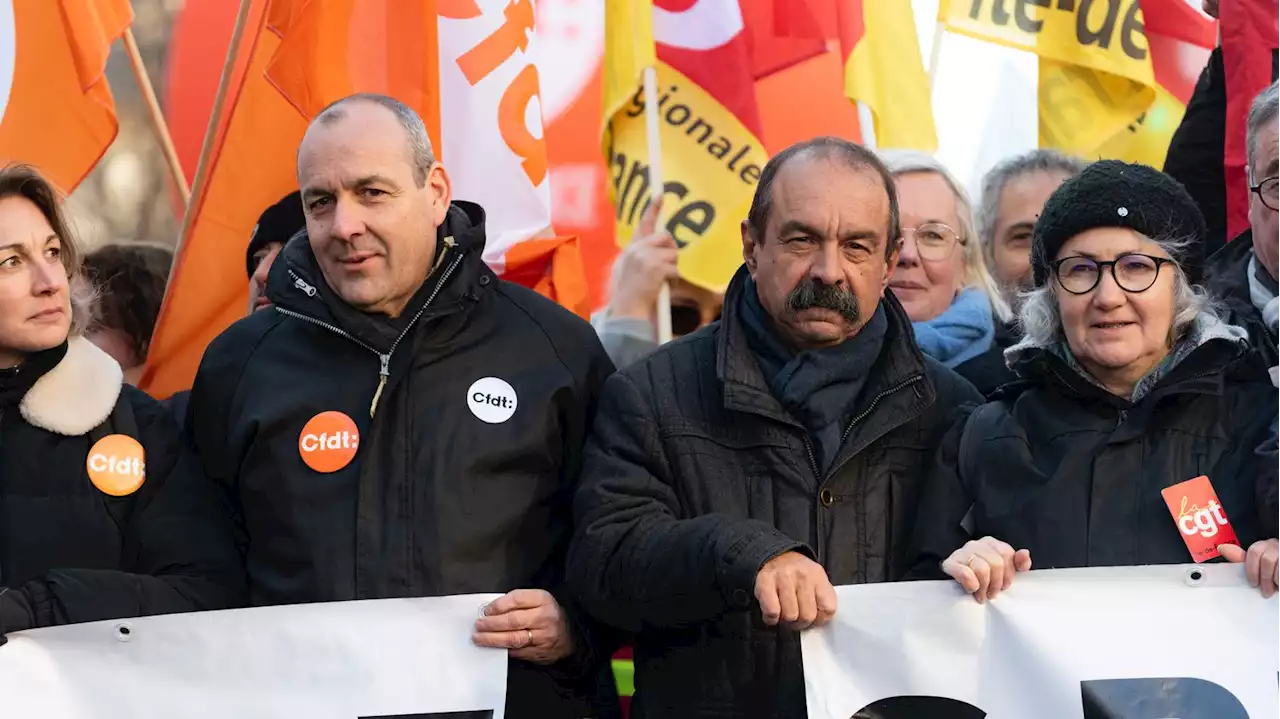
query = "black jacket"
{"x": 72, "y": 553}
{"x": 1198, "y": 148}
{"x": 435, "y": 501}
{"x": 1228, "y": 280}
{"x": 695, "y": 476}
{"x": 988, "y": 371}
{"x": 1073, "y": 473}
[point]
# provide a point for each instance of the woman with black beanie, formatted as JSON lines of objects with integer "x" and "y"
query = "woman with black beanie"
{"x": 1130, "y": 436}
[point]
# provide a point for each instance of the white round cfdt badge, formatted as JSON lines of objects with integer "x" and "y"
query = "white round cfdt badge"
{"x": 491, "y": 400}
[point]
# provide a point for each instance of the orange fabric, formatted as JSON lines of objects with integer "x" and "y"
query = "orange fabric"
{"x": 302, "y": 50}
{"x": 553, "y": 268}
{"x": 60, "y": 115}
{"x": 197, "y": 51}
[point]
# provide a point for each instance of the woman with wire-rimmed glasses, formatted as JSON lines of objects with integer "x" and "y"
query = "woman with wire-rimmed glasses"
{"x": 1129, "y": 384}
{"x": 941, "y": 278}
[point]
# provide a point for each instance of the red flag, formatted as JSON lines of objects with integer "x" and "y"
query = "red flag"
{"x": 1249, "y": 41}
{"x": 781, "y": 33}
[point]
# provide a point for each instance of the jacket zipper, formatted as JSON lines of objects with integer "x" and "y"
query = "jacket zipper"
{"x": 822, "y": 479}
{"x": 871, "y": 407}
{"x": 384, "y": 360}
{"x": 808, "y": 444}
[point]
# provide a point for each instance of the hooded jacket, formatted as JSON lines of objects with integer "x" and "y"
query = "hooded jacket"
{"x": 470, "y": 409}
{"x": 1059, "y": 466}
{"x": 696, "y": 476}
{"x": 70, "y": 552}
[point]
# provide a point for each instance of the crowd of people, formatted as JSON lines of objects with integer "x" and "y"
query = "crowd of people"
{"x": 897, "y": 384}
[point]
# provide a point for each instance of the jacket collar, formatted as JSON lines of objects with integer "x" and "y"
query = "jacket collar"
{"x": 1231, "y": 279}
{"x": 296, "y": 284}
{"x": 78, "y": 394}
{"x": 1197, "y": 364}
{"x": 745, "y": 388}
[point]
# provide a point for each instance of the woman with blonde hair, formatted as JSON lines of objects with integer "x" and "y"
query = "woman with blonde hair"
{"x": 941, "y": 280}
{"x": 103, "y": 512}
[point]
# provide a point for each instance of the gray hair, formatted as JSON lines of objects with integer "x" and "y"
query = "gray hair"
{"x": 1265, "y": 108}
{"x": 853, "y": 155}
{"x": 1008, "y": 170}
{"x": 1040, "y": 318}
{"x": 976, "y": 273}
{"x": 415, "y": 129}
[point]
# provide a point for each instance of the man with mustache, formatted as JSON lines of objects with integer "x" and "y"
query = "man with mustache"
{"x": 400, "y": 422}
{"x": 734, "y": 475}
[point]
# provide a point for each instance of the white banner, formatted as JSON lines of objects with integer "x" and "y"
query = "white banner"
{"x": 1118, "y": 643}
{"x": 343, "y": 660}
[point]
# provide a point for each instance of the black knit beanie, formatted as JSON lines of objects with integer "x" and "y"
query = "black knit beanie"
{"x": 277, "y": 223}
{"x": 1110, "y": 193}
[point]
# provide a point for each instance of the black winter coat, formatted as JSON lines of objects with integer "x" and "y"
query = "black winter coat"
{"x": 1073, "y": 473}
{"x": 988, "y": 372}
{"x": 695, "y": 476}
{"x": 1228, "y": 279}
{"x": 1198, "y": 148}
{"x": 72, "y": 553}
{"x": 435, "y": 501}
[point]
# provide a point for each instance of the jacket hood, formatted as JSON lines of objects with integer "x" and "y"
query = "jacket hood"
{"x": 296, "y": 283}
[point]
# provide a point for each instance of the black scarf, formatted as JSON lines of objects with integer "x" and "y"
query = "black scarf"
{"x": 821, "y": 387}
{"x": 15, "y": 382}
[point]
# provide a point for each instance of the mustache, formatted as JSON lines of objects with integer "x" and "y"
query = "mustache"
{"x": 811, "y": 293}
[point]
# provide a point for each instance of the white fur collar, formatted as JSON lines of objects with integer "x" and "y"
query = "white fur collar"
{"x": 76, "y": 395}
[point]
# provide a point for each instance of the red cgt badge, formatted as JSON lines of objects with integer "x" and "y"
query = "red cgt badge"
{"x": 1200, "y": 517}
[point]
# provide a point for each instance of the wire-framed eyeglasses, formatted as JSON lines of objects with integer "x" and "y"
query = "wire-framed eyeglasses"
{"x": 934, "y": 240}
{"x": 1133, "y": 272}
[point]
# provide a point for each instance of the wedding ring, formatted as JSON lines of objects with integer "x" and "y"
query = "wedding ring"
{"x": 530, "y": 642}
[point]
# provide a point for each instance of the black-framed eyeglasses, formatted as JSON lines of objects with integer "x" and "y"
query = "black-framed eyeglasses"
{"x": 1133, "y": 272}
{"x": 1268, "y": 191}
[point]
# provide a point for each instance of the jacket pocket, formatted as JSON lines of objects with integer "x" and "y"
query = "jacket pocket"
{"x": 742, "y": 472}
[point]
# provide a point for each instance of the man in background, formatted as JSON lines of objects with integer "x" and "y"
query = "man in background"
{"x": 276, "y": 225}
{"x": 1013, "y": 194}
{"x": 130, "y": 282}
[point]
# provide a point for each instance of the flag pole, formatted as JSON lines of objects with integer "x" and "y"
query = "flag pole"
{"x": 211, "y": 132}
{"x": 867, "y": 126}
{"x": 157, "y": 117}
{"x": 652, "y": 131}
{"x": 935, "y": 51}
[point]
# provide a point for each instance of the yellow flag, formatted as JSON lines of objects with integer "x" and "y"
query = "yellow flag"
{"x": 628, "y": 50}
{"x": 1146, "y": 140}
{"x": 709, "y": 128}
{"x": 1096, "y": 76}
{"x": 883, "y": 69}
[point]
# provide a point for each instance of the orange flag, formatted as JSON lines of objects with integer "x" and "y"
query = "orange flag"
{"x": 306, "y": 54}
{"x": 57, "y": 110}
